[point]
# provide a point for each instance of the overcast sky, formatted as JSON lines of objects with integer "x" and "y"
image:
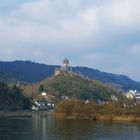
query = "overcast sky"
{"x": 101, "y": 34}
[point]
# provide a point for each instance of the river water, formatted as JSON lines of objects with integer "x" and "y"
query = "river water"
{"x": 39, "y": 127}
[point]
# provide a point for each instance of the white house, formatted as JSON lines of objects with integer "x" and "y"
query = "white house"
{"x": 114, "y": 98}
{"x": 129, "y": 96}
{"x": 87, "y": 101}
{"x": 133, "y": 94}
{"x": 44, "y": 93}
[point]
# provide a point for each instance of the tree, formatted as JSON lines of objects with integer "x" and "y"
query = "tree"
{"x": 41, "y": 88}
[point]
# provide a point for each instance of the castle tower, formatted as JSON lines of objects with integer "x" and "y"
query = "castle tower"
{"x": 65, "y": 66}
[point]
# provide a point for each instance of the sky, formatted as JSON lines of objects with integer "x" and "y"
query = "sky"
{"x": 100, "y": 34}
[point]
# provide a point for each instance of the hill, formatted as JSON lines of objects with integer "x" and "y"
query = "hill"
{"x": 113, "y": 80}
{"x": 30, "y": 72}
{"x": 25, "y": 71}
{"x": 75, "y": 86}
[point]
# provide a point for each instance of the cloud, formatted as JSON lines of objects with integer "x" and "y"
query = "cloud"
{"x": 135, "y": 50}
{"x": 47, "y": 20}
{"x": 92, "y": 33}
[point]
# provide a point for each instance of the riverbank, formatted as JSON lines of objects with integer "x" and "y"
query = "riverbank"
{"x": 131, "y": 118}
{"x": 113, "y": 111}
{"x": 22, "y": 113}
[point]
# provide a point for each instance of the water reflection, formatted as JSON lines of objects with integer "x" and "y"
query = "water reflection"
{"x": 43, "y": 126}
{"x": 40, "y": 127}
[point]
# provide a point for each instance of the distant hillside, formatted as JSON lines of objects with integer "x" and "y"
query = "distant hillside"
{"x": 25, "y": 71}
{"x": 75, "y": 86}
{"x": 112, "y": 80}
{"x": 30, "y": 72}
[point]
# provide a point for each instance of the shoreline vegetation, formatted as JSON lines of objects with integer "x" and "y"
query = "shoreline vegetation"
{"x": 129, "y": 118}
{"x": 111, "y": 111}
{"x": 78, "y": 109}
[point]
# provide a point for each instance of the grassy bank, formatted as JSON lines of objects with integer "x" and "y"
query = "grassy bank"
{"x": 76, "y": 109}
{"x": 119, "y": 118}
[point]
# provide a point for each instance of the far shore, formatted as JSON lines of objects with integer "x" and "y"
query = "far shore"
{"x": 129, "y": 118}
{"x": 22, "y": 113}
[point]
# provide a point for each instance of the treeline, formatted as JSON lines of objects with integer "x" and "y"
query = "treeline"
{"x": 11, "y": 98}
{"x": 79, "y": 109}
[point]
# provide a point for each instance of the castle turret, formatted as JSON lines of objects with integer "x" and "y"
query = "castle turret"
{"x": 65, "y": 67}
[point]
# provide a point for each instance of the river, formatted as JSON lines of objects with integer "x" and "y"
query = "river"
{"x": 40, "y": 127}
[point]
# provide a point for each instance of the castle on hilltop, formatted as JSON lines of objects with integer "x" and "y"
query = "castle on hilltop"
{"x": 64, "y": 68}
